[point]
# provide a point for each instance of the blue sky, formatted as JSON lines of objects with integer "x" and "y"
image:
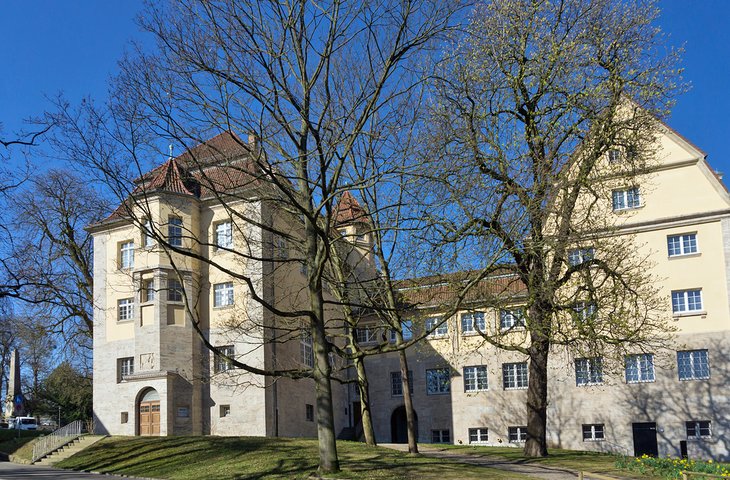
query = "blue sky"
{"x": 47, "y": 46}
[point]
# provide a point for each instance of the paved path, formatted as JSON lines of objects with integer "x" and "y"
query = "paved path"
{"x": 16, "y": 471}
{"x": 528, "y": 469}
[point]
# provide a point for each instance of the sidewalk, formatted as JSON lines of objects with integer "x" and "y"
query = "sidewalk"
{"x": 531, "y": 470}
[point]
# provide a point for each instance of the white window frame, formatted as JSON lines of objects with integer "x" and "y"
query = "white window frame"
{"x": 223, "y": 232}
{"x": 438, "y": 381}
{"x": 148, "y": 290}
{"x": 614, "y": 156}
{"x": 517, "y": 434}
{"x": 220, "y": 363}
{"x": 476, "y": 379}
{"x": 584, "y": 311}
{"x": 695, "y": 364}
{"x": 578, "y": 256}
{"x": 681, "y": 301}
{"x": 644, "y": 365}
{"x": 473, "y": 323}
{"x": 125, "y": 310}
{"x": 515, "y": 376}
{"x": 439, "y": 332}
{"x": 175, "y": 231}
{"x": 126, "y": 255}
{"x": 478, "y": 435}
{"x": 626, "y": 199}
{"x": 147, "y": 239}
{"x": 687, "y": 245}
{"x": 366, "y": 334}
{"x": 591, "y": 369}
{"x": 223, "y": 295}
{"x": 594, "y": 432}
{"x": 306, "y": 348}
{"x": 511, "y": 319}
{"x": 698, "y": 426}
{"x": 126, "y": 367}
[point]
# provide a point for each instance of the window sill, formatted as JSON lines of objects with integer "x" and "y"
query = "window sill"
{"x": 620, "y": 211}
{"x": 634, "y": 382}
{"x": 476, "y": 391}
{"x": 223, "y": 307}
{"x": 684, "y": 255}
{"x": 438, "y": 337}
{"x": 699, "y": 439}
{"x": 698, "y": 313}
{"x": 131, "y": 320}
{"x": 437, "y": 393}
{"x": 472, "y": 334}
{"x": 515, "y": 388}
{"x": 594, "y": 439}
{"x": 694, "y": 379}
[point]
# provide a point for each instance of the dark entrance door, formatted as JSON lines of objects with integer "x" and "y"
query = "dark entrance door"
{"x": 645, "y": 439}
{"x": 399, "y": 425}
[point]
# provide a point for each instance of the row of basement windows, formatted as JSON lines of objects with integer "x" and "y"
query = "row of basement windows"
{"x": 691, "y": 365}
{"x": 222, "y": 296}
{"x": 594, "y": 432}
{"x": 222, "y": 238}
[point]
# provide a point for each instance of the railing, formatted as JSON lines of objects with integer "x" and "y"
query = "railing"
{"x": 57, "y": 439}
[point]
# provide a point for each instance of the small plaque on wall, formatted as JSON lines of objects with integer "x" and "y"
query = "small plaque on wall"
{"x": 183, "y": 412}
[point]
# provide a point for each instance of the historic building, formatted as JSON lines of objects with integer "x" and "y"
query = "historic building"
{"x": 153, "y": 375}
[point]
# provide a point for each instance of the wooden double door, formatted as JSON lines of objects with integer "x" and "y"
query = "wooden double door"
{"x": 149, "y": 418}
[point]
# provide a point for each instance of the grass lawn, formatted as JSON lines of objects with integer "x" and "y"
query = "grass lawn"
{"x": 575, "y": 460}
{"x": 19, "y": 442}
{"x": 210, "y": 458}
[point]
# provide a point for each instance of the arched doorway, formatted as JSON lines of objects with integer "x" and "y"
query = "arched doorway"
{"x": 148, "y": 413}
{"x": 399, "y": 425}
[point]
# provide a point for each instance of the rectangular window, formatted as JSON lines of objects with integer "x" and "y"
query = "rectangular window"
{"x": 147, "y": 239}
{"x": 685, "y": 301}
{"x": 148, "y": 290}
{"x": 438, "y": 381}
{"x": 438, "y": 331}
{"x": 472, "y": 323}
{"x": 614, "y": 155}
{"x": 511, "y": 319}
{"x": 174, "y": 231}
{"x": 698, "y": 429}
{"x": 174, "y": 290}
{"x": 225, "y": 411}
{"x": 309, "y": 412}
{"x": 125, "y": 367}
{"x": 681, "y": 244}
{"x": 584, "y": 312}
{"x": 396, "y": 383}
{"x": 281, "y": 249}
{"x": 440, "y": 436}
{"x": 126, "y": 255}
{"x": 125, "y": 417}
{"x": 514, "y": 375}
{"x": 626, "y": 199}
{"x": 517, "y": 434}
{"x": 125, "y": 309}
{"x": 593, "y": 432}
{"x": 693, "y": 365}
{"x": 475, "y": 379}
{"x": 406, "y": 329}
{"x": 640, "y": 368}
{"x": 223, "y": 235}
{"x": 221, "y": 363}
{"x": 588, "y": 371}
{"x": 581, "y": 255}
{"x": 368, "y": 334}
{"x": 223, "y": 294}
{"x": 306, "y": 350}
{"x": 478, "y": 435}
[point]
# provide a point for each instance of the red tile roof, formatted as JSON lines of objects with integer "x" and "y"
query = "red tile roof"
{"x": 348, "y": 210}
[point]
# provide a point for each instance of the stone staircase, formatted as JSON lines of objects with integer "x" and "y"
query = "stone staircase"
{"x": 69, "y": 449}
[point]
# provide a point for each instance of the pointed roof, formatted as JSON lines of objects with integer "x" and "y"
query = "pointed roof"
{"x": 170, "y": 179}
{"x": 349, "y": 210}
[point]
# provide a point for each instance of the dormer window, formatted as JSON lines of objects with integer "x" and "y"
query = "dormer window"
{"x": 614, "y": 156}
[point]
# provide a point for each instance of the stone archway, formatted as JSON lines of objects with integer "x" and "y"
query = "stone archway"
{"x": 148, "y": 413}
{"x": 399, "y": 425}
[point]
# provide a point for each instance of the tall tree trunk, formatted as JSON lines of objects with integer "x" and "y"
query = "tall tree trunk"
{"x": 536, "y": 444}
{"x": 365, "y": 413}
{"x": 328, "y": 462}
{"x": 407, "y": 399}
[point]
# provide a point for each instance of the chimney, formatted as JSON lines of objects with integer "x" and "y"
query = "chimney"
{"x": 253, "y": 142}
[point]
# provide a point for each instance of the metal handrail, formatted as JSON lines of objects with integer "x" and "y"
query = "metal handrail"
{"x": 57, "y": 439}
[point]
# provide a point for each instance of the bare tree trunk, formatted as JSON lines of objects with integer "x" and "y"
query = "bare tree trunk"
{"x": 365, "y": 413}
{"x": 536, "y": 444}
{"x": 407, "y": 399}
{"x": 328, "y": 462}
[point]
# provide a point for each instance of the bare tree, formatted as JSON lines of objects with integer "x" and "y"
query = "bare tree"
{"x": 536, "y": 98}
{"x": 306, "y": 81}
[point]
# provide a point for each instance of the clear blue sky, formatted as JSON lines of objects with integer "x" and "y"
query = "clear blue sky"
{"x": 47, "y": 46}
